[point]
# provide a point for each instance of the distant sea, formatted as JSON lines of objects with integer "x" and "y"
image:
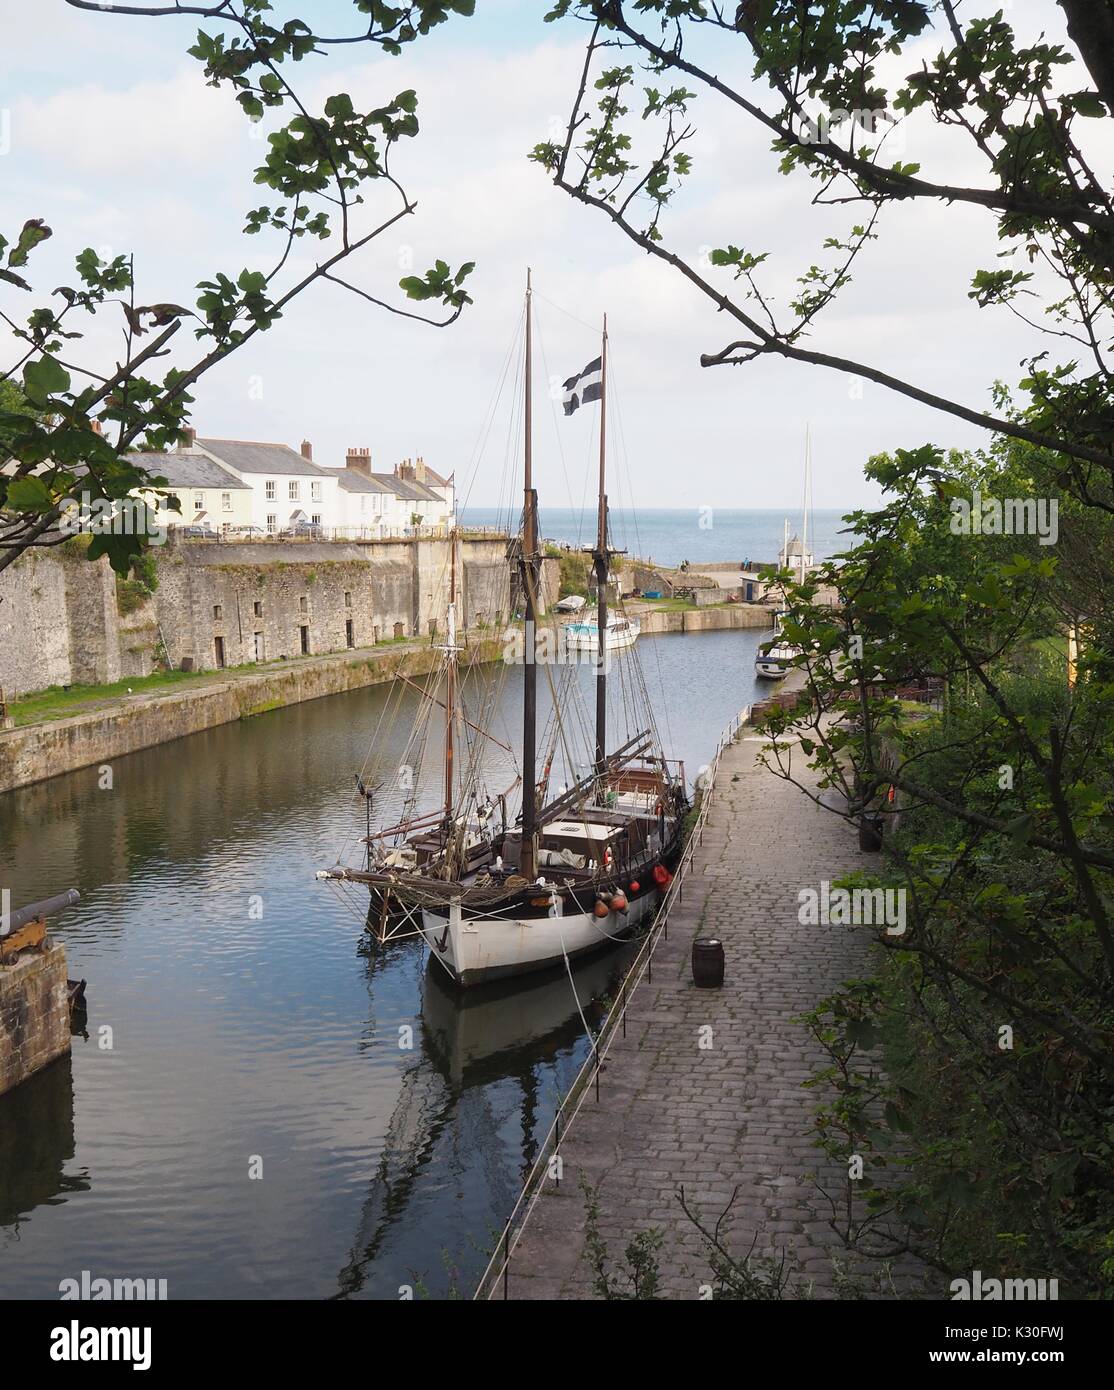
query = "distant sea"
{"x": 669, "y": 536}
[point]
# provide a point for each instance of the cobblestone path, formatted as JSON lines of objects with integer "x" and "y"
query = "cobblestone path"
{"x": 735, "y": 1114}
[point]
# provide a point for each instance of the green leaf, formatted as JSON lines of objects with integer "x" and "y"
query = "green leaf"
{"x": 29, "y": 495}
{"x": 44, "y": 378}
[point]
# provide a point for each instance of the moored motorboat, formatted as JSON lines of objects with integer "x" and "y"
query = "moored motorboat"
{"x": 621, "y": 632}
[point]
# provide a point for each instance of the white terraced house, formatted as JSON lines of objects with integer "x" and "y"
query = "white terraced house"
{"x": 289, "y": 491}
{"x": 208, "y": 494}
{"x": 410, "y": 500}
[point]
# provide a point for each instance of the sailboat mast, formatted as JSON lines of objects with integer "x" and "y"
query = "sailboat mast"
{"x": 601, "y": 574}
{"x": 528, "y": 856}
{"x": 450, "y": 689}
{"x": 804, "y": 505}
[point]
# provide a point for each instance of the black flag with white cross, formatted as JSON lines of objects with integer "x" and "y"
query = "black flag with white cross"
{"x": 585, "y": 387}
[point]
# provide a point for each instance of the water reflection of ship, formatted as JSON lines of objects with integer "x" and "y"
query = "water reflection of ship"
{"x": 491, "y": 1033}
{"x": 36, "y": 1143}
{"x": 472, "y": 1039}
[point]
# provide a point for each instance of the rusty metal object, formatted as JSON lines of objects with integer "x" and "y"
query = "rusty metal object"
{"x": 25, "y": 938}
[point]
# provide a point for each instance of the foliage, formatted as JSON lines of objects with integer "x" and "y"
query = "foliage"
{"x": 987, "y": 1134}
{"x": 70, "y": 428}
{"x": 575, "y": 570}
{"x": 1026, "y": 112}
{"x": 639, "y": 1278}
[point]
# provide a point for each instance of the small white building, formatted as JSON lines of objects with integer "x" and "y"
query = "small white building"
{"x": 792, "y": 553}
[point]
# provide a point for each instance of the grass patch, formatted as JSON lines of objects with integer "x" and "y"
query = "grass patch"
{"x": 59, "y": 703}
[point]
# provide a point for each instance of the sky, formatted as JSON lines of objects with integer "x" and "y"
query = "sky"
{"x": 108, "y": 131}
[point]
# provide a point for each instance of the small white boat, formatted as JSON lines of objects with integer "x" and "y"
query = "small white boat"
{"x": 572, "y": 604}
{"x": 772, "y": 665}
{"x": 621, "y": 632}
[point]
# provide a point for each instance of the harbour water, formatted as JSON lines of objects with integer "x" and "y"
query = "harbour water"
{"x": 668, "y": 536}
{"x": 262, "y": 1106}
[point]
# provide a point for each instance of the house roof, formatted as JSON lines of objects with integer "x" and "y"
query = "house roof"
{"x": 433, "y": 477}
{"x": 352, "y": 480}
{"x": 249, "y": 457}
{"x": 190, "y": 470}
{"x": 408, "y": 491}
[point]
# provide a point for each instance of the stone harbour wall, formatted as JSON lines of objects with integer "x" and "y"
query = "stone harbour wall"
{"x": 34, "y": 752}
{"x": 34, "y": 1014}
{"x": 223, "y": 605}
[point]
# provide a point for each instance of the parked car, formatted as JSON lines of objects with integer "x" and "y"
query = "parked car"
{"x": 246, "y": 533}
{"x": 197, "y": 533}
{"x": 303, "y": 530}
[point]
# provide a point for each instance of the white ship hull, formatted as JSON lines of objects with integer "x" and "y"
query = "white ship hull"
{"x": 478, "y": 949}
{"x": 585, "y": 636}
{"x": 774, "y": 664}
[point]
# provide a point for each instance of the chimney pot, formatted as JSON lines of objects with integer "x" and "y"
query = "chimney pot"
{"x": 359, "y": 460}
{"x": 307, "y": 450}
{"x": 187, "y": 446}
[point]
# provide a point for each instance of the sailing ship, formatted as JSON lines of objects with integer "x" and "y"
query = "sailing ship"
{"x": 579, "y": 867}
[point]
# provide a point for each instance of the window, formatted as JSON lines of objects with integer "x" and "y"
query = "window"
{"x": 315, "y": 492}
{"x": 269, "y": 487}
{"x": 293, "y": 489}
{"x": 303, "y": 604}
{"x": 226, "y": 501}
{"x": 218, "y": 612}
{"x": 316, "y": 518}
{"x": 347, "y": 599}
{"x": 363, "y": 503}
{"x": 199, "y": 501}
{"x": 258, "y": 608}
{"x": 272, "y": 523}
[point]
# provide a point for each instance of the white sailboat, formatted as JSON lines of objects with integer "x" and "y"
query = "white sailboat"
{"x": 577, "y": 870}
{"x": 775, "y": 658}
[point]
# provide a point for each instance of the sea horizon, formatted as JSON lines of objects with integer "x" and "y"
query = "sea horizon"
{"x": 668, "y": 535}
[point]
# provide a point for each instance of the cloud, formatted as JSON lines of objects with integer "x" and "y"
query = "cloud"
{"x": 114, "y": 155}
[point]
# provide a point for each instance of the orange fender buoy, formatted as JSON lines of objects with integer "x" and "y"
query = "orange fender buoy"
{"x": 662, "y": 875}
{"x": 619, "y": 903}
{"x": 601, "y": 909}
{"x": 635, "y": 886}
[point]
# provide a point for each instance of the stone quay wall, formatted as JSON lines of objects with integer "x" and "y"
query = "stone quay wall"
{"x": 34, "y": 1014}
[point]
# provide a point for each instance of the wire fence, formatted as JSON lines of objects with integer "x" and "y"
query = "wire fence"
{"x": 496, "y": 1275}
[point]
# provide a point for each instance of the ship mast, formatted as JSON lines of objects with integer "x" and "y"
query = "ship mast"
{"x": 527, "y": 865}
{"x": 804, "y": 505}
{"x": 600, "y": 558}
{"x": 450, "y": 689}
